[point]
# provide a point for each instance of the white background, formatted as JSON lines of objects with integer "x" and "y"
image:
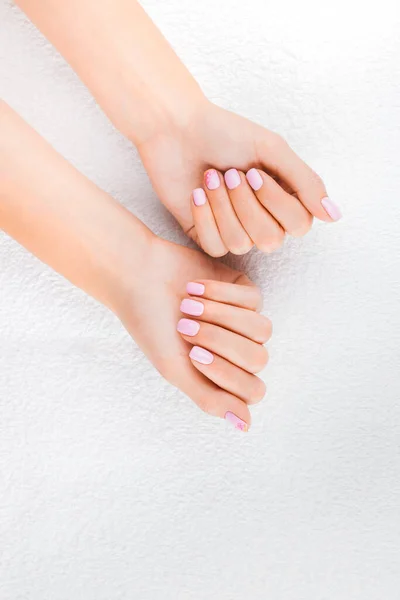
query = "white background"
{"x": 113, "y": 485}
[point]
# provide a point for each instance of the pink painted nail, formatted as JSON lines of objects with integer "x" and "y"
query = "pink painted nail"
{"x": 188, "y": 327}
{"x": 199, "y": 197}
{"x": 211, "y": 179}
{"x": 331, "y": 208}
{"x": 236, "y": 422}
{"x": 195, "y": 289}
{"x": 254, "y": 178}
{"x": 201, "y": 355}
{"x": 192, "y": 307}
{"x": 232, "y": 179}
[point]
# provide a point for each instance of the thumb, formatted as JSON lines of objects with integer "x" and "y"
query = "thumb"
{"x": 280, "y": 160}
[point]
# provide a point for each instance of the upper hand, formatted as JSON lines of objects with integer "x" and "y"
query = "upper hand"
{"x": 280, "y": 195}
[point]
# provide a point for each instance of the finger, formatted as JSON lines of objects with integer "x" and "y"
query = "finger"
{"x": 264, "y": 230}
{"x": 285, "y": 208}
{"x": 205, "y": 225}
{"x": 238, "y": 350}
{"x": 227, "y": 376}
{"x": 212, "y": 399}
{"x": 279, "y": 158}
{"x": 245, "y": 296}
{"x": 233, "y": 235}
{"x": 245, "y": 322}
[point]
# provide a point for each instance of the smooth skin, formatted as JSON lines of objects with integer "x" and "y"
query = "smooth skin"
{"x": 151, "y": 97}
{"x": 81, "y": 232}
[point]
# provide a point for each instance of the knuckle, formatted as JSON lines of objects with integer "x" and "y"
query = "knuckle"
{"x": 264, "y": 329}
{"x": 273, "y": 242}
{"x": 254, "y": 299}
{"x": 303, "y": 227}
{"x": 240, "y": 246}
{"x": 257, "y": 391}
{"x": 217, "y": 253}
{"x": 257, "y": 298}
{"x": 259, "y": 360}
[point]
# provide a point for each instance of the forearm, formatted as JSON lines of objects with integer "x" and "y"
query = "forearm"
{"x": 123, "y": 59}
{"x": 63, "y": 218}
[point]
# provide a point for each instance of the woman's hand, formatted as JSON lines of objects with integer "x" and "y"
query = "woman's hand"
{"x": 197, "y": 322}
{"x": 152, "y": 98}
{"x": 256, "y": 190}
{"x": 101, "y": 247}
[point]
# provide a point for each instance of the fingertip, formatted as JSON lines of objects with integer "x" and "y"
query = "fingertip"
{"x": 199, "y": 197}
{"x": 218, "y": 253}
{"x": 212, "y": 179}
{"x": 237, "y": 422}
{"x": 232, "y": 179}
{"x": 331, "y": 208}
{"x": 195, "y": 288}
{"x": 254, "y": 179}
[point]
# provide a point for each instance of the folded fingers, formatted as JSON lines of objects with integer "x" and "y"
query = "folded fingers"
{"x": 206, "y": 227}
{"x": 286, "y": 209}
{"x": 232, "y": 231}
{"x": 246, "y": 323}
{"x": 244, "y": 385}
{"x": 235, "y": 348}
{"x": 235, "y": 211}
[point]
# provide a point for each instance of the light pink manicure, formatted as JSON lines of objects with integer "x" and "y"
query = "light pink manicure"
{"x": 195, "y": 289}
{"x": 201, "y": 355}
{"x": 236, "y": 422}
{"x": 192, "y": 307}
{"x": 188, "y": 327}
{"x": 331, "y": 208}
{"x": 232, "y": 179}
{"x": 211, "y": 179}
{"x": 254, "y": 178}
{"x": 199, "y": 197}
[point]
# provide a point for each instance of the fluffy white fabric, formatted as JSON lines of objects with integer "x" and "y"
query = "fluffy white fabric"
{"x": 112, "y": 484}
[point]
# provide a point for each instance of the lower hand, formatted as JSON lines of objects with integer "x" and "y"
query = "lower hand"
{"x": 206, "y": 338}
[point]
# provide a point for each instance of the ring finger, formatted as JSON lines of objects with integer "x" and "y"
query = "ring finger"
{"x": 238, "y": 350}
{"x": 227, "y": 376}
{"x": 264, "y": 230}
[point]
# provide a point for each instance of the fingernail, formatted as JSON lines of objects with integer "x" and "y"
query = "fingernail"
{"x": 192, "y": 307}
{"x": 232, "y": 179}
{"x": 201, "y": 355}
{"x": 331, "y": 208}
{"x": 254, "y": 178}
{"x": 199, "y": 197}
{"x": 236, "y": 422}
{"x": 195, "y": 289}
{"x": 211, "y": 179}
{"x": 188, "y": 327}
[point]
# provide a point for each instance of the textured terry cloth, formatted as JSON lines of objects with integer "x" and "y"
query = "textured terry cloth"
{"x": 113, "y": 486}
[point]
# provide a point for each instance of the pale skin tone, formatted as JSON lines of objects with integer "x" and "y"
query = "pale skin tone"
{"x": 151, "y": 97}
{"x": 81, "y": 232}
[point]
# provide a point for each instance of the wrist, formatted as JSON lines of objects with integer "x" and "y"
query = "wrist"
{"x": 176, "y": 108}
{"x": 121, "y": 260}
